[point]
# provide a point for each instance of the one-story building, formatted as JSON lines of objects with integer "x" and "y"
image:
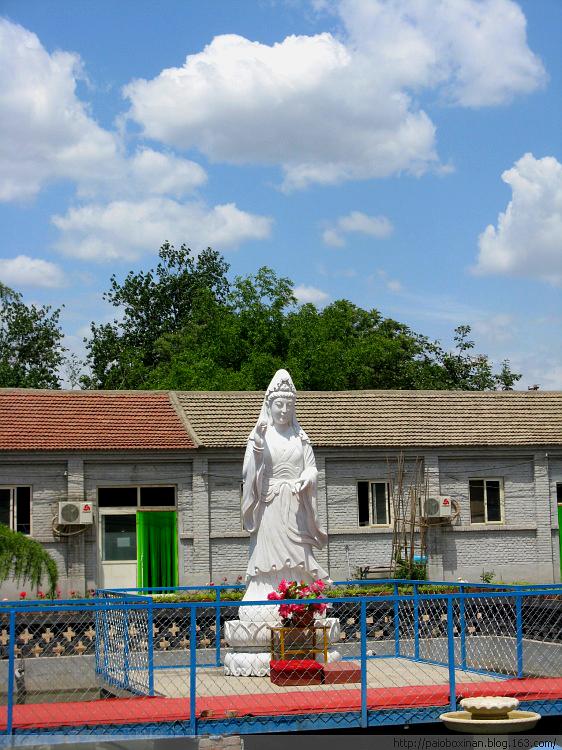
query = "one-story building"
{"x": 157, "y": 477}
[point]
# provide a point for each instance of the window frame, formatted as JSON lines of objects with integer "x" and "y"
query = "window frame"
{"x": 485, "y": 522}
{"x": 371, "y": 524}
{"x": 13, "y": 525}
{"x": 138, "y": 506}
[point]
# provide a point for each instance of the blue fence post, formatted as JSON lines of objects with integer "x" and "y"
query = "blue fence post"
{"x": 451, "y": 655}
{"x": 364, "y": 716}
{"x": 396, "y": 622}
{"x": 217, "y": 628}
{"x": 416, "y": 623}
{"x": 11, "y": 672}
{"x": 462, "y": 623}
{"x": 126, "y": 648}
{"x": 519, "y": 631}
{"x": 150, "y": 646}
{"x": 193, "y": 670}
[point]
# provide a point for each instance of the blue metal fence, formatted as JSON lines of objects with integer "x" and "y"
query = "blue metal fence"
{"x": 511, "y": 644}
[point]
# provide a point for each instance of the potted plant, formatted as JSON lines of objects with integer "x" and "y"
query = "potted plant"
{"x": 299, "y": 615}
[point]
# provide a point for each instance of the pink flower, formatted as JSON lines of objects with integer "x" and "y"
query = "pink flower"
{"x": 283, "y": 586}
{"x": 273, "y": 595}
{"x": 23, "y": 594}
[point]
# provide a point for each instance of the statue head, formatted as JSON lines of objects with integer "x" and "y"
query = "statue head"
{"x": 278, "y": 405}
{"x": 280, "y": 399}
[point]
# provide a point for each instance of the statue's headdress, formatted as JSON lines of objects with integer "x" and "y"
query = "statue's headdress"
{"x": 281, "y": 386}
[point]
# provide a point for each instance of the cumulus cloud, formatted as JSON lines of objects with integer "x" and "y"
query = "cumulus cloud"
{"x": 25, "y": 271}
{"x": 46, "y": 132}
{"x": 360, "y": 223}
{"x": 330, "y": 109}
{"x": 146, "y": 172}
{"x": 527, "y": 240}
{"x": 451, "y": 45}
{"x": 312, "y": 294}
{"x": 127, "y": 229}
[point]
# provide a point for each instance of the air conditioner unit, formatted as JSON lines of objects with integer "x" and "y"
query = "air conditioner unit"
{"x": 438, "y": 507}
{"x": 72, "y": 513}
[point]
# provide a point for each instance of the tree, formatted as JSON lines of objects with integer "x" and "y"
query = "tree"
{"x": 186, "y": 327}
{"x": 465, "y": 371}
{"x": 26, "y": 560}
{"x": 31, "y": 350}
{"x": 155, "y": 303}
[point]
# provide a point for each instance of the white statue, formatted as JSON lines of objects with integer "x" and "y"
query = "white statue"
{"x": 279, "y": 510}
{"x": 279, "y": 506}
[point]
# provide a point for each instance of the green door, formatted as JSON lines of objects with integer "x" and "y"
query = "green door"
{"x": 157, "y": 549}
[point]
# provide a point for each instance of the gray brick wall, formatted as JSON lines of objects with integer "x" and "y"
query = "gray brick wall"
{"x": 229, "y": 559}
{"x": 225, "y": 478}
{"x": 213, "y": 545}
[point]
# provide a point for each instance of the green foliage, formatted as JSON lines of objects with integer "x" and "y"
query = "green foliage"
{"x": 26, "y": 560}
{"x": 487, "y": 576}
{"x": 31, "y": 350}
{"x": 185, "y": 326}
{"x": 410, "y": 570}
{"x": 154, "y": 304}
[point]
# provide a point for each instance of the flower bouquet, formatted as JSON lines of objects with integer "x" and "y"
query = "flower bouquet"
{"x": 299, "y": 615}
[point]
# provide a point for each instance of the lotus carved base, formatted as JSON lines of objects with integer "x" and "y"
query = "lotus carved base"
{"x": 249, "y": 653}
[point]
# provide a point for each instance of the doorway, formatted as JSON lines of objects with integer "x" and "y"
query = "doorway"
{"x": 157, "y": 549}
{"x": 138, "y": 544}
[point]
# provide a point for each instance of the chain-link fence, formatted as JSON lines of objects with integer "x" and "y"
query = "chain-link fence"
{"x": 134, "y": 662}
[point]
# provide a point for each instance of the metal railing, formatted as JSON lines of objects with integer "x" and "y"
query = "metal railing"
{"x": 127, "y": 662}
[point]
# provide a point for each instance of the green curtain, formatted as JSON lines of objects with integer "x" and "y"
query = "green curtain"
{"x": 157, "y": 548}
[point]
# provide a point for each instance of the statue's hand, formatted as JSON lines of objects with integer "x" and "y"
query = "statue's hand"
{"x": 302, "y": 483}
{"x": 259, "y": 435}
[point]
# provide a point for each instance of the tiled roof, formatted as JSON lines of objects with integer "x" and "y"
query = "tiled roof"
{"x": 388, "y": 418}
{"x": 35, "y": 420}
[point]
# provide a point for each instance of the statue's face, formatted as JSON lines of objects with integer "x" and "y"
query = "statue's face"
{"x": 282, "y": 410}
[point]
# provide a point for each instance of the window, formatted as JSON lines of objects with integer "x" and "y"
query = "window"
{"x": 119, "y": 538}
{"x": 559, "y": 493}
{"x": 15, "y": 508}
{"x": 134, "y": 497}
{"x": 485, "y": 500}
{"x": 373, "y": 502}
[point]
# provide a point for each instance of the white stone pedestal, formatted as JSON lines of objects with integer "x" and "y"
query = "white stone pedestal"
{"x": 250, "y": 646}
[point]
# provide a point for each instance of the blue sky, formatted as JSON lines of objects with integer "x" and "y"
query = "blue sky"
{"x": 404, "y": 154}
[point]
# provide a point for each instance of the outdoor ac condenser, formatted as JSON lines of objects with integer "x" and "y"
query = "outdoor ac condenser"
{"x": 71, "y": 513}
{"x": 438, "y": 507}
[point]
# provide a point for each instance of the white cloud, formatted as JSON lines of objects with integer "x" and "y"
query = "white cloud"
{"x": 25, "y": 271}
{"x": 528, "y": 238}
{"x": 356, "y": 221}
{"x": 494, "y": 328}
{"x": 145, "y": 173}
{"x": 330, "y": 109}
{"x": 312, "y": 294}
{"x": 46, "y": 132}
{"x": 452, "y": 45}
{"x": 127, "y": 229}
{"x": 302, "y": 103}
{"x": 393, "y": 285}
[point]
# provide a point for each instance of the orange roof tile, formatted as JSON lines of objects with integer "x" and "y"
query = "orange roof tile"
{"x": 41, "y": 420}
